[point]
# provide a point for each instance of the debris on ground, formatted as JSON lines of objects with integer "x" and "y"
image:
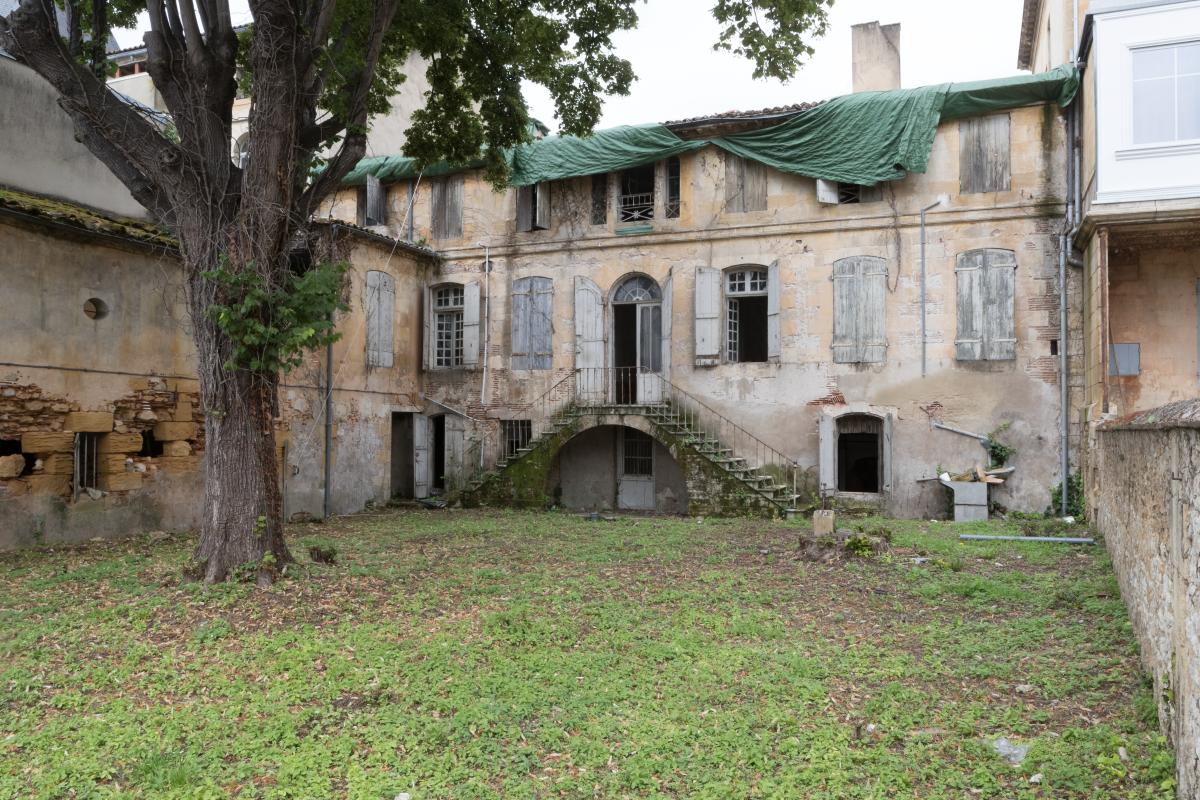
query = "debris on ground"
{"x": 1010, "y": 751}
{"x": 322, "y": 555}
{"x": 431, "y": 502}
{"x": 842, "y": 544}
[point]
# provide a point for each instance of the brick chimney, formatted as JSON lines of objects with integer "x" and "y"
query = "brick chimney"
{"x": 876, "y": 54}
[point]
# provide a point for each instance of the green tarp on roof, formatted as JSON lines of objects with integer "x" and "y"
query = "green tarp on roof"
{"x": 859, "y": 138}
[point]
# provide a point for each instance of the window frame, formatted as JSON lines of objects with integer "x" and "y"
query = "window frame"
{"x": 516, "y": 434}
{"x": 451, "y": 357}
{"x": 750, "y": 287}
{"x": 1175, "y": 76}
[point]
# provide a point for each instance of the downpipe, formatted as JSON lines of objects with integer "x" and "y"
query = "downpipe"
{"x": 487, "y": 337}
{"x": 941, "y": 198}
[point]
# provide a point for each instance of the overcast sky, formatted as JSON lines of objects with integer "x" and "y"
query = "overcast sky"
{"x": 679, "y": 74}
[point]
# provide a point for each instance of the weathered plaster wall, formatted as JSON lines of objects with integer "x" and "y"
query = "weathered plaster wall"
{"x": 779, "y": 402}
{"x": 1148, "y": 514}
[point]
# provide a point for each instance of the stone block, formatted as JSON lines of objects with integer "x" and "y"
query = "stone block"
{"x": 178, "y": 464}
{"x": 46, "y": 442}
{"x": 120, "y": 482}
{"x": 58, "y": 464}
{"x": 13, "y": 488}
{"x": 183, "y": 408}
{"x": 49, "y": 484}
{"x": 12, "y": 466}
{"x": 89, "y": 422}
{"x": 111, "y": 463}
{"x": 174, "y": 431}
{"x": 176, "y": 449}
{"x": 120, "y": 443}
{"x": 823, "y": 522}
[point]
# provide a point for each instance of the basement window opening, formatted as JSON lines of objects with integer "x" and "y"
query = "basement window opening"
{"x": 858, "y": 453}
{"x": 87, "y": 461}
{"x": 151, "y": 447}
{"x": 638, "y": 453}
{"x": 517, "y": 435}
{"x": 12, "y": 447}
{"x": 746, "y": 316}
{"x": 636, "y": 201}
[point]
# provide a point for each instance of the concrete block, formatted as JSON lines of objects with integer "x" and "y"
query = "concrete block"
{"x": 120, "y": 482}
{"x": 58, "y": 464}
{"x": 120, "y": 443}
{"x": 174, "y": 431}
{"x": 89, "y": 421}
{"x": 47, "y": 442}
{"x": 49, "y": 484}
{"x": 970, "y": 513}
{"x": 12, "y": 466}
{"x": 823, "y": 522}
{"x": 178, "y": 464}
{"x": 176, "y": 449}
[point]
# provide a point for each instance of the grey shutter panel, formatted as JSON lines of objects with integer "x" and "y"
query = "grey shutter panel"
{"x": 471, "y": 302}
{"x": 541, "y": 323}
{"x": 754, "y": 186}
{"x": 437, "y": 208}
{"x": 589, "y": 339}
{"x": 421, "y": 461}
{"x": 735, "y": 188}
{"x": 455, "y": 450}
{"x": 845, "y": 310}
{"x": 427, "y": 343}
{"x": 524, "y": 208}
{"x": 999, "y": 290}
{"x": 376, "y": 202}
{"x": 827, "y": 192}
{"x": 983, "y": 154}
{"x": 380, "y": 304}
{"x": 521, "y": 305}
{"x": 773, "y": 299}
{"x": 827, "y": 467}
{"x": 541, "y": 215}
{"x": 708, "y": 316}
{"x": 885, "y": 466}
{"x": 872, "y": 308}
{"x": 968, "y": 274}
{"x": 667, "y": 289}
{"x": 454, "y": 206}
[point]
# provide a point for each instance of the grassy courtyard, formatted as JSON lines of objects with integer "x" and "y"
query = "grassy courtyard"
{"x": 480, "y": 654}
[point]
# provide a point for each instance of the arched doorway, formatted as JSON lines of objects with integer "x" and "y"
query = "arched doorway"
{"x": 617, "y": 467}
{"x": 637, "y": 340}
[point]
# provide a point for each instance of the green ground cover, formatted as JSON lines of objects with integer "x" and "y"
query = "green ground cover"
{"x": 480, "y": 654}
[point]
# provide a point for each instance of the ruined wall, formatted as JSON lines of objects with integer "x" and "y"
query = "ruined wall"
{"x": 1147, "y": 512}
{"x": 118, "y": 373}
{"x": 779, "y": 402}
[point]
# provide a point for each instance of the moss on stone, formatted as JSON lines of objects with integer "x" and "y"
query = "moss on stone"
{"x": 85, "y": 218}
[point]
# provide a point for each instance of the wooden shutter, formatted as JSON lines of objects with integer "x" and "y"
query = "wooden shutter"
{"x": 827, "y": 192}
{"x": 872, "y": 311}
{"x": 754, "y": 186}
{"x": 541, "y": 211}
{"x": 541, "y": 323}
{"x": 983, "y": 154}
{"x": 422, "y": 464}
{"x": 773, "y": 299}
{"x": 827, "y": 464}
{"x": 521, "y": 305}
{"x": 376, "y": 202}
{"x": 708, "y": 316}
{"x": 735, "y": 183}
{"x": 589, "y": 338}
{"x": 668, "y": 289}
{"x": 447, "y": 207}
{"x": 427, "y": 342}
{"x": 380, "y": 306}
{"x": 524, "y": 208}
{"x": 471, "y": 302}
{"x": 969, "y": 279}
{"x": 999, "y": 295}
{"x": 845, "y": 310}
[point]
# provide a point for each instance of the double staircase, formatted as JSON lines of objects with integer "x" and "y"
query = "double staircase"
{"x": 764, "y": 477}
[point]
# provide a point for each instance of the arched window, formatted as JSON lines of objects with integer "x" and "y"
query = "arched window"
{"x": 638, "y": 289}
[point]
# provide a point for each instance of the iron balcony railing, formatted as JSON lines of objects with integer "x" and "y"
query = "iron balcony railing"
{"x": 636, "y": 207}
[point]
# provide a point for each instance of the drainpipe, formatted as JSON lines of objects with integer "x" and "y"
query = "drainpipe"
{"x": 328, "y": 424}
{"x": 924, "y": 343}
{"x": 487, "y": 333}
{"x": 1065, "y": 243}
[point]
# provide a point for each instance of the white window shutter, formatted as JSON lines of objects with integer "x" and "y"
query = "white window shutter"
{"x": 827, "y": 465}
{"x": 427, "y": 343}
{"x": 541, "y": 323}
{"x": 471, "y": 302}
{"x": 885, "y": 465}
{"x": 421, "y": 461}
{"x": 589, "y": 339}
{"x": 521, "y": 321}
{"x": 708, "y": 316}
{"x": 846, "y": 284}
{"x": 667, "y": 289}
{"x": 872, "y": 310}
{"x": 380, "y": 305}
{"x": 524, "y": 208}
{"x": 541, "y": 214}
{"x": 773, "y": 300}
{"x": 999, "y": 297}
{"x": 827, "y": 192}
{"x": 969, "y": 279}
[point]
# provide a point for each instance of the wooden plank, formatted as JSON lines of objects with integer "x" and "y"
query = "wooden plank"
{"x": 968, "y": 342}
{"x": 541, "y": 323}
{"x": 999, "y": 300}
{"x": 735, "y": 194}
{"x": 872, "y": 330}
{"x": 754, "y": 186}
{"x": 520, "y": 323}
{"x": 707, "y": 316}
{"x": 846, "y": 283}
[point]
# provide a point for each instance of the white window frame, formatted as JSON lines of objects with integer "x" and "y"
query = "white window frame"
{"x": 742, "y": 281}
{"x": 449, "y": 307}
{"x": 1132, "y": 96}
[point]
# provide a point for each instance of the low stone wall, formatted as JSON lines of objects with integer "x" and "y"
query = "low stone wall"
{"x": 1148, "y": 509}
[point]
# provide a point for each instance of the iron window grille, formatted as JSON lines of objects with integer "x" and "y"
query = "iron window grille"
{"x": 517, "y": 435}
{"x": 87, "y": 462}
{"x": 672, "y": 209}
{"x": 638, "y": 453}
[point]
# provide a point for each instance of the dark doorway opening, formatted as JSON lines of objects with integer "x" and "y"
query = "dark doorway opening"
{"x": 625, "y": 352}
{"x": 151, "y": 447}
{"x": 858, "y": 453}
{"x": 439, "y": 454}
{"x": 750, "y": 334}
{"x": 402, "y": 455}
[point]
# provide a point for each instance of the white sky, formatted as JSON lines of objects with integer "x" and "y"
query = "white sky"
{"x": 679, "y": 75}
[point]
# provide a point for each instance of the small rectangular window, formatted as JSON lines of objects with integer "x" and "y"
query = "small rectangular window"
{"x": 87, "y": 461}
{"x": 1166, "y": 93}
{"x": 533, "y": 207}
{"x": 600, "y": 199}
{"x": 983, "y": 154}
{"x": 517, "y": 435}
{"x": 1125, "y": 359}
{"x": 636, "y": 201}
{"x": 672, "y": 210}
{"x": 638, "y": 453}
